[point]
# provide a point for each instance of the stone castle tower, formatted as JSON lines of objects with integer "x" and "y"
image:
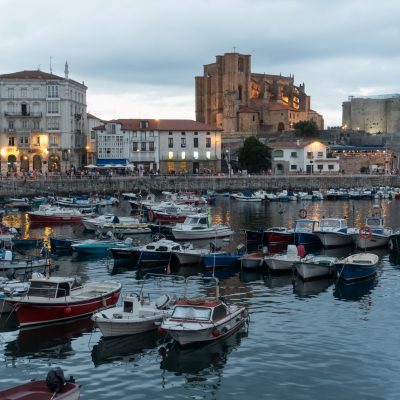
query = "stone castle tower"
{"x": 231, "y": 97}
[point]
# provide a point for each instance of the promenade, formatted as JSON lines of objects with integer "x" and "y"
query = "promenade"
{"x": 63, "y": 185}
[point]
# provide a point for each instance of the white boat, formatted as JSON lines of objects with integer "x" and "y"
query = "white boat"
{"x": 48, "y": 213}
{"x": 203, "y": 319}
{"x": 333, "y": 232}
{"x": 283, "y": 262}
{"x": 373, "y": 233}
{"x": 252, "y": 260}
{"x": 190, "y": 256}
{"x": 196, "y": 226}
{"x": 11, "y": 288}
{"x": 122, "y": 229}
{"x": 92, "y": 224}
{"x": 246, "y": 196}
{"x": 138, "y": 312}
{"x": 11, "y": 266}
{"x": 316, "y": 266}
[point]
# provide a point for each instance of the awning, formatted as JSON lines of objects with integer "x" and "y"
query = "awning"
{"x": 121, "y": 162}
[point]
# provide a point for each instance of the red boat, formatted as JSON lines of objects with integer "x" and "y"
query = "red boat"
{"x": 53, "y": 299}
{"x": 47, "y": 213}
{"x": 278, "y": 235}
{"x": 54, "y": 387}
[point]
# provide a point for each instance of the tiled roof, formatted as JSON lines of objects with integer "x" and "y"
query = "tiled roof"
{"x": 39, "y": 75}
{"x": 163, "y": 125}
{"x": 288, "y": 145}
{"x": 91, "y": 116}
{"x": 273, "y": 106}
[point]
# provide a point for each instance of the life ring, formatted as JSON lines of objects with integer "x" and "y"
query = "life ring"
{"x": 303, "y": 213}
{"x": 365, "y": 232}
{"x": 150, "y": 215}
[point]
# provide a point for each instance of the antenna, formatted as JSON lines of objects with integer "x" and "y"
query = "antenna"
{"x": 51, "y": 70}
{"x": 234, "y": 49}
{"x": 38, "y": 67}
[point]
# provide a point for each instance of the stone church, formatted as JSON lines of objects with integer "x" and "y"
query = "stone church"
{"x": 231, "y": 97}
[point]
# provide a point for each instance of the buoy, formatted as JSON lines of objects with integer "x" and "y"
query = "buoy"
{"x": 150, "y": 215}
{"x": 365, "y": 232}
{"x": 216, "y": 333}
{"x": 303, "y": 213}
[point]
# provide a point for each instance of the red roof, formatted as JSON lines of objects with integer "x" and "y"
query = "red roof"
{"x": 163, "y": 125}
{"x": 288, "y": 145}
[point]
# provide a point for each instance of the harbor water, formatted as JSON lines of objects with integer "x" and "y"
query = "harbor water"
{"x": 305, "y": 340}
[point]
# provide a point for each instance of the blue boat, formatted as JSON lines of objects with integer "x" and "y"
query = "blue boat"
{"x": 27, "y": 242}
{"x": 357, "y": 266}
{"x": 99, "y": 246}
{"x": 304, "y": 232}
{"x": 223, "y": 259}
{"x": 60, "y": 244}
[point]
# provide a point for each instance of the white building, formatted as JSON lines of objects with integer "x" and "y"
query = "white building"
{"x": 166, "y": 145}
{"x": 302, "y": 157}
{"x": 42, "y": 122}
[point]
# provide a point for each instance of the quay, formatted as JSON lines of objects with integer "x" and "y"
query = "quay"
{"x": 64, "y": 185}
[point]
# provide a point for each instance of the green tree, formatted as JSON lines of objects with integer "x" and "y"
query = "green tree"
{"x": 306, "y": 128}
{"x": 254, "y": 156}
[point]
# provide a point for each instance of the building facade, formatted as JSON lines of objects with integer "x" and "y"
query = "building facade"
{"x": 302, "y": 157}
{"x": 229, "y": 96}
{"x": 373, "y": 114}
{"x": 153, "y": 145}
{"x": 42, "y": 122}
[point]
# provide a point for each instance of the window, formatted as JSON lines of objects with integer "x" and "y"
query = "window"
{"x": 183, "y": 142}
{"x": 135, "y": 146}
{"x": 293, "y": 154}
{"x": 196, "y": 133}
{"x": 53, "y": 123}
{"x": 143, "y": 146}
{"x": 195, "y": 142}
{"x": 170, "y": 155}
{"x": 52, "y": 107}
{"x": 36, "y": 93}
{"x": 331, "y": 167}
{"x": 151, "y": 133}
{"x": 24, "y": 124}
{"x": 183, "y": 155}
{"x": 320, "y": 167}
{"x": 196, "y": 155}
{"x": 320, "y": 154}
{"x": 151, "y": 146}
{"x": 36, "y": 125}
{"x": 11, "y": 141}
{"x": 278, "y": 153}
{"x": 170, "y": 142}
{"x": 208, "y": 142}
{"x": 11, "y": 126}
{"x": 310, "y": 155}
{"x": 92, "y": 135}
{"x": 170, "y": 133}
{"x": 113, "y": 128}
{"x": 293, "y": 167}
{"x": 10, "y": 92}
{"x": 52, "y": 91}
{"x": 24, "y": 92}
{"x": 208, "y": 155}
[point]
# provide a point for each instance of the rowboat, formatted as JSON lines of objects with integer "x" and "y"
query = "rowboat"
{"x": 357, "y": 266}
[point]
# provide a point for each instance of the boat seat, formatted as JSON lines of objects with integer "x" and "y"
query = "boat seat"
{"x": 362, "y": 262}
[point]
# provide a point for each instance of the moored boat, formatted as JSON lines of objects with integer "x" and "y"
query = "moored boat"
{"x": 47, "y": 213}
{"x": 333, "y": 232}
{"x": 283, "y": 262}
{"x": 357, "y": 266}
{"x": 316, "y": 266}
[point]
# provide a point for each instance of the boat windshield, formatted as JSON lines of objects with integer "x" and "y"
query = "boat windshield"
{"x": 197, "y": 313}
{"x": 43, "y": 289}
{"x": 330, "y": 223}
{"x": 304, "y": 226}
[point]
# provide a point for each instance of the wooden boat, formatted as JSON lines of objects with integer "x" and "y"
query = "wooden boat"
{"x": 203, "y": 319}
{"x": 316, "y": 266}
{"x": 357, "y": 266}
{"x": 53, "y": 299}
{"x": 53, "y": 387}
{"x": 197, "y": 226}
{"x": 138, "y": 313}
{"x": 61, "y": 244}
{"x": 94, "y": 223}
{"x": 246, "y": 196}
{"x": 29, "y": 242}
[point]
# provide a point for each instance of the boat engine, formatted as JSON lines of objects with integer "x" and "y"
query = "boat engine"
{"x": 55, "y": 380}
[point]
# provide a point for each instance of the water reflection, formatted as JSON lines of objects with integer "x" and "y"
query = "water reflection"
{"x": 247, "y": 276}
{"x": 52, "y": 341}
{"x": 194, "y": 359}
{"x": 125, "y": 348}
{"x": 8, "y": 322}
{"x": 354, "y": 291}
{"x": 310, "y": 288}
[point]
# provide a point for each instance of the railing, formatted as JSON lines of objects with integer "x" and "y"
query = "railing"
{"x": 37, "y": 114}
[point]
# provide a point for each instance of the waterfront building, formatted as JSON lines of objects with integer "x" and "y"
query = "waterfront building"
{"x": 164, "y": 145}
{"x": 42, "y": 122}
{"x": 302, "y": 157}
{"x": 372, "y": 114}
{"x": 233, "y": 98}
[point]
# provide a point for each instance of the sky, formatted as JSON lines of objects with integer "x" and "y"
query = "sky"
{"x": 139, "y": 58}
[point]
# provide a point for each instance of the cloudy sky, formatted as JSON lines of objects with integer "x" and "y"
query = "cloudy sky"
{"x": 139, "y": 58}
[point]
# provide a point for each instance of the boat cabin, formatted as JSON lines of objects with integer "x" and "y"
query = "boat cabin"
{"x": 306, "y": 225}
{"x": 197, "y": 221}
{"x": 50, "y": 287}
{"x": 332, "y": 223}
{"x": 199, "y": 309}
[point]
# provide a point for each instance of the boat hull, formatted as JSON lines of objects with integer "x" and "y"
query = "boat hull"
{"x": 357, "y": 267}
{"x": 372, "y": 242}
{"x": 212, "y": 261}
{"x": 309, "y": 271}
{"x": 334, "y": 239}
{"x": 208, "y": 233}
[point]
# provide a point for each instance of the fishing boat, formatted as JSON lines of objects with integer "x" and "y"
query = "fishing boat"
{"x": 316, "y": 266}
{"x": 305, "y": 232}
{"x": 11, "y": 288}
{"x": 197, "y": 226}
{"x": 53, "y": 387}
{"x": 273, "y": 236}
{"x": 283, "y": 262}
{"x": 333, "y": 232}
{"x": 47, "y": 213}
{"x": 157, "y": 253}
{"x": 357, "y": 266}
{"x": 28, "y": 242}
{"x": 203, "y": 319}
{"x": 54, "y": 299}
{"x": 138, "y": 313}
{"x": 168, "y": 212}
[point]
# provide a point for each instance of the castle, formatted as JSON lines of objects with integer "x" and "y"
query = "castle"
{"x": 231, "y": 97}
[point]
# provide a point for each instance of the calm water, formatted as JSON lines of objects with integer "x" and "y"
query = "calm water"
{"x": 304, "y": 341}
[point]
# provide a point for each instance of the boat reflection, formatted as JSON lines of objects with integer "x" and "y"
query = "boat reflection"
{"x": 354, "y": 291}
{"x": 250, "y": 276}
{"x": 194, "y": 359}
{"x": 310, "y": 288}
{"x": 124, "y": 348}
{"x": 278, "y": 281}
{"x": 53, "y": 340}
{"x": 8, "y": 322}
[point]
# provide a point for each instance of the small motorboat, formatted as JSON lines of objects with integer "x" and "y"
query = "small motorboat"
{"x": 203, "y": 319}
{"x": 28, "y": 242}
{"x": 316, "y": 266}
{"x": 216, "y": 258}
{"x": 55, "y": 386}
{"x": 10, "y": 265}
{"x": 253, "y": 260}
{"x": 190, "y": 256}
{"x": 284, "y": 261}
{"x": 333, "y": 232}
{"x": 54, "y": 299}
{"x": 246, "y": 196}
{"x": 61, "y": 244}
{"x": 305, "y": 231}
{"x": 357, "y": 266}
{"x": 99, "y": 246}
{"x": 138, "y": 313}
{"x": 50, "y": 214}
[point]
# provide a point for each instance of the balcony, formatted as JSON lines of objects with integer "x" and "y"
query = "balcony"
{"x": 20, "y": 114}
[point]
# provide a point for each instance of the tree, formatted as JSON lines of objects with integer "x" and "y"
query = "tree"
{"x": 306, "y": 128}
{"x": 254, "y": 156}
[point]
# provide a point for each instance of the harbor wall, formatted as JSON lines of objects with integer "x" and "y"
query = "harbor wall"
{"x": 105, "y": 185}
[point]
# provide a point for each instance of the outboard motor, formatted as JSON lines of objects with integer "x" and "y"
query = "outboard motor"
{"x": 55, "y": 380}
